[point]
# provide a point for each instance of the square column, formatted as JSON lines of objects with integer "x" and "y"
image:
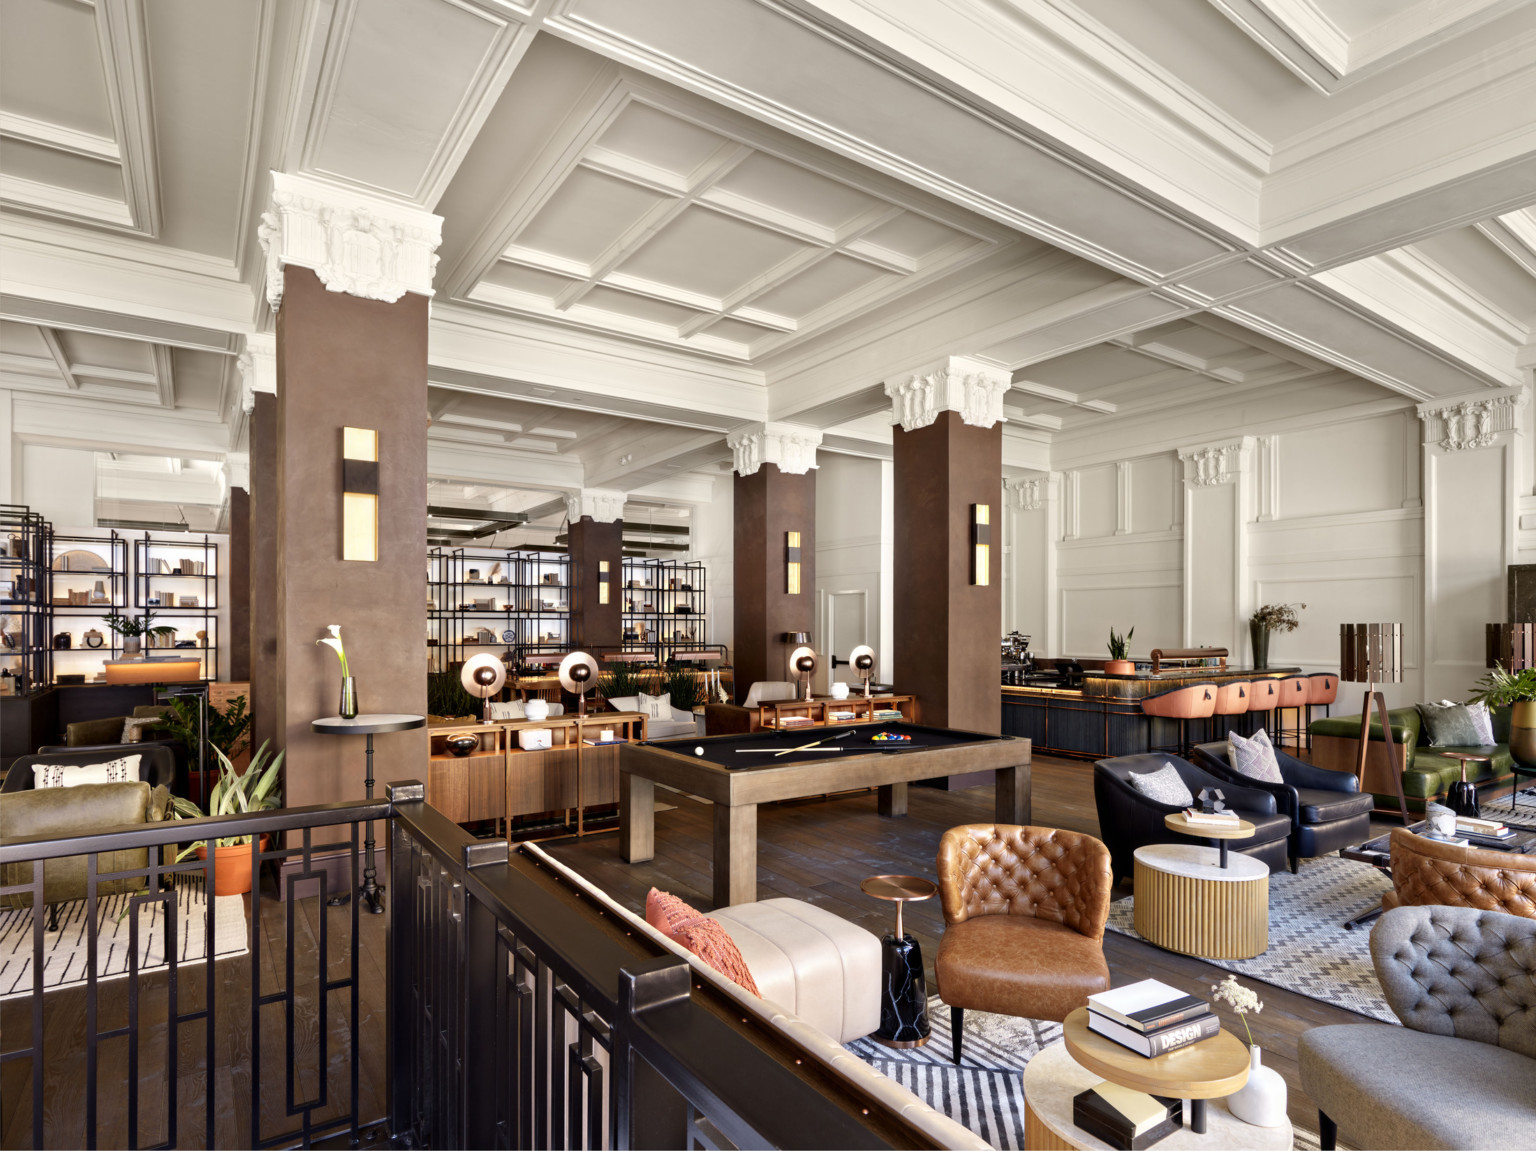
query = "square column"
{"x": 596, "y": 538}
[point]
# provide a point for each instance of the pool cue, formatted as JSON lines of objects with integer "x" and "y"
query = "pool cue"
{"x": 770, "y": 751}
{"x": 817, "y": 743}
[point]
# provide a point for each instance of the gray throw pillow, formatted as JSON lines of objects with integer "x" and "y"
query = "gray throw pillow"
{"x": 1450, "y": 725}
{"x": 1254, "y": 757}
{"x": 1165, "y": 785}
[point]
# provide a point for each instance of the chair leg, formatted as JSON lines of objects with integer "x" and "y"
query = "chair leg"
{"x": 1295, "y": 864}
{"x": 1327, "y": 1133}
{"x": 53, "y": 917}
{"x": 957, "y": 1029}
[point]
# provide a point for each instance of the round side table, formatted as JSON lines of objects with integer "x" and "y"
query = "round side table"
{"x": 1461, "y": 796}
{"x": 904, "y": 988}
{"x": 1185, "y": 903}
{"x": 1240, "y": 830}
{"x": 370, "y": 889}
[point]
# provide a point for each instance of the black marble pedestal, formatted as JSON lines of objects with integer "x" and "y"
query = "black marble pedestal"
{"x": 903, "y": 994}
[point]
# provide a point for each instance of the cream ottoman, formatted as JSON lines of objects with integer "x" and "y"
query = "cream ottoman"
{"x": 810, "y": 962}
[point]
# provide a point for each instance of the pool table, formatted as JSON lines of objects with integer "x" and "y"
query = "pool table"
{"x": 738, "y": 772}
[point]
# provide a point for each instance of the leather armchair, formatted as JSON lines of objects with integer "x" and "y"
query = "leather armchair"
{"x": 1128, "y": 819}
{"x": 157, "y": 763}
{"x": 1326, "y": 808}
{"x": 1461, "y": 1070}
{"x": 1425, "y": 872}
{"x": 1024, "y": 911}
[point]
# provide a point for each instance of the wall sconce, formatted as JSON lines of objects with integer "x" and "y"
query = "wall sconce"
{"x": 981, "y": 544}
{"x": 359, "y": 494}
{"x": 792, "y": 563}
{"x": 602, "y": 581}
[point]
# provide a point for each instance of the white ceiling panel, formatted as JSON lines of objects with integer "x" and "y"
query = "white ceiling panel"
{"x": 590, "y": 214}
{"x": 60, "y": 169}
{"x": 63, "y": 82}
{"x": 822, "y": 284}
{"x": 521, "y": 278}
{"x": 659, "y": 140}
{"x": 711, "y": 254}
{"x": 638, "y": 307}
{"x": 766, "y": 180}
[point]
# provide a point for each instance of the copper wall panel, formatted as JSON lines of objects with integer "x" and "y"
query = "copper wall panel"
{"x": 769, "y": 504}
{"x": 262, "y": 560}
{"x": 947, "y": 630}
{"x": 345, "y": 361}
{"x": 239, "y": 585}
{"x": 594, "y": 624}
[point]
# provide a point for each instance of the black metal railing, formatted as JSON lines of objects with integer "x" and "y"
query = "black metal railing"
{"x": 521, "y": 1011}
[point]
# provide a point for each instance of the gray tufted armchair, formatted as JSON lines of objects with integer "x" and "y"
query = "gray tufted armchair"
{"x": 1461, "y": 1071}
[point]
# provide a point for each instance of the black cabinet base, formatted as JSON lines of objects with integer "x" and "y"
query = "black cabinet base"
{"x": 903, "y": 994}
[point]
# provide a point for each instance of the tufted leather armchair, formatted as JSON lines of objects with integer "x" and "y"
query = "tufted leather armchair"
{"x": 1463, "y": 982}
{"x": 1024, "y": 911}
{"x": 1425, "y": 872}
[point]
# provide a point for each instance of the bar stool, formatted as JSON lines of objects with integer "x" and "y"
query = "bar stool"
{"x": 1231, "y": 700}
{"x": 1198, "y": 701}
{"x": 1263, "y": 696}
{"x": 1322, "y": 691}
{"x": 1294, "y": 691}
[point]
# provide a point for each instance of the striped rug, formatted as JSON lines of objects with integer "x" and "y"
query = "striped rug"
{"x": 65, "y": 951}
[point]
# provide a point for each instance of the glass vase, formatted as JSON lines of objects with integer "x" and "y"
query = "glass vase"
{"x": 348, "y": 697}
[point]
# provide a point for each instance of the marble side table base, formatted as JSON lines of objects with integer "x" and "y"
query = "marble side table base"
{"x": 903, "y": 994}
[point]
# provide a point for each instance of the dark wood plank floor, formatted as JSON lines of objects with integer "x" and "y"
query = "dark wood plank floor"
{"x": 820, "y": 850}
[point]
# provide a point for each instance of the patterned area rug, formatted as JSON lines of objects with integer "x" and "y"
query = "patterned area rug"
{"x": 65, "y": 953}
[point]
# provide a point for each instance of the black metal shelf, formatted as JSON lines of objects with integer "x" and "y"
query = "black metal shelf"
{"x": 454, "y": 623}
{"x": 659, "y": 584}
{"x": 205, "y": 551}
{"x": 25, "y": 644}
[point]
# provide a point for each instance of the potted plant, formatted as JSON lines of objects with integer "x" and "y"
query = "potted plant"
{"x": 133, "y": 629}
{"x": 1515, "y": 690}
{"x": 1119, "y": 661}
{"x": 255, "y": 790}
{"x": 1271, "y": 617}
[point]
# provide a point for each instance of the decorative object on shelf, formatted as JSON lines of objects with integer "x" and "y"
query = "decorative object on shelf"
{"x": 1461, "y": 796}
{"x": 134, "y": 629}
{"x": 63, "y": 641}
{"x": 92, "y": 638}
{"x": 473, "y": 576}
{"x": 464, "y": 743}
{"x": 1441, "y": 820}
{"x": 1271, "y": 617}
{"x": 536, "y": 710}
{"x": 1212, "y": 800}
{"x": 99, "y": 594}
{"x": 981, "y": 544}
{"x": 359, "y": 494}
{"x": 348, "y": 684}
{"x": 1119, "y": 661}
{"x": 578, "y": 675}
{"x": 253, "y": 790}
{"x": 80, "y": 560}
{"x": 802, "y": 662}
{"x": 791, "y": 563}
{"x": 483, "y": 676}
{"x": 1261, "y": 1102}
{"x": 862, "y": 660}
{"x": 839, "y": 690}
{"x": 1372, "y": 653}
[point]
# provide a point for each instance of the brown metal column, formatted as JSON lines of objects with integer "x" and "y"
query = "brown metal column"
{"x": 343, "y": 361}
{"x": 262, "y": 566}
{"x": 946, "y": 628}
{"x": 239, "y": 585}
{"x": 593, "y": 623}
{"x": 769, "y": 504}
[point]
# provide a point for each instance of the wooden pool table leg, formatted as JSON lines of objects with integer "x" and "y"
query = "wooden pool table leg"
{"x": 637, "y": 818}
{"x": 1013, "y": 798}
{"x": 735, "y": 853}
{"x": 893, "y": 799}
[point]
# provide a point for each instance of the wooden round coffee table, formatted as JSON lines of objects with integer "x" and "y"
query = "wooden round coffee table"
{"x": 1242, "y": 829}
{"x": 1053, "y": 1077}
{"x": 1186, "y": 902}
{"x": 903, "y": 986}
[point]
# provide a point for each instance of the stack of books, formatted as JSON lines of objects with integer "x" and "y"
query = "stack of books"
{"x": 1129, "y": 1120}
{"x": 887, "y": 714}
{"x": 1486, "y": 828}
{"x": 1151, "y": 1018}
{"x": 795, "y": 721}
{"x": 1211, "y": 818}
{"x": 840, "y": 716}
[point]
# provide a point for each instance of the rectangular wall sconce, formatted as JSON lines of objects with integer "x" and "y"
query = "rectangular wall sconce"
{"x": 359, "y": 494}
{"x": 792, "y": 562}
{"x": 981, "y": 544}
{"x": 602, "y": 581}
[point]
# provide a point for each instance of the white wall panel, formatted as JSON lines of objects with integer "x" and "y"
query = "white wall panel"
{"x": 1098, "y": 500}
{"x": 1154, "y": 493}
{"x": 1346, "y": 467}
{"x": 1151, "y": 607}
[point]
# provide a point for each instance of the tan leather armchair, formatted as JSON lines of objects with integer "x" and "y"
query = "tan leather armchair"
{"x": 1024, "y": 911}
{"x": 1425, "y": 872}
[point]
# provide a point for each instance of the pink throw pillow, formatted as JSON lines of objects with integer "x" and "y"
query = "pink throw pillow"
{"x": 703, "y": 936}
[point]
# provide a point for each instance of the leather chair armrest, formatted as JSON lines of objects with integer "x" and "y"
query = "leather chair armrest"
{"x": 1256, "y": 799}
{"x": 1299, "y": 774}
{"x": 159, "y": 805}
{"x": 1286, "y": 801}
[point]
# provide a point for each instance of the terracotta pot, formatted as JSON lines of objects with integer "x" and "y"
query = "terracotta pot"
{"x": 1522, "y": 733}
{"x": 233, "y": 865}
{"x": 1119, "y": 667}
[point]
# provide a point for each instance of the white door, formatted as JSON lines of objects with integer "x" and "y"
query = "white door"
{"x": 847, "y": 620}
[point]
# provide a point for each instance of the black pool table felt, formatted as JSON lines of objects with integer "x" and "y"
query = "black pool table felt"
{"x": 754, "y": 750}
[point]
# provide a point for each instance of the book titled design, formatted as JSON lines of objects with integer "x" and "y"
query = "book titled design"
{"x": 1130, "y": 1120}
{"x": 1147, "y": 1005}
{"x": 1161, "y": 1041}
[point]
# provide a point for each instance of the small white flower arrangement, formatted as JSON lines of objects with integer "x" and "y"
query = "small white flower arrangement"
{"x": 334, "y": 642}
{"x": 1241, "y": 999}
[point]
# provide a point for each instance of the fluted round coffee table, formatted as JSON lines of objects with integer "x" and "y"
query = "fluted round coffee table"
{"x": 1186, "y": 902}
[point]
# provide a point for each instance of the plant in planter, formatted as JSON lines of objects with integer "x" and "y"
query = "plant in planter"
{"x": 229, "y": 730}
{"x": 682, "y": 683}
{"x": 1515, "y": 690}
{"x": 1271, "y": 617}
{"x": 621, "y": 679}
{"x": 1119, "y": 661}
{"x": 133, "y": 629}
{"x": 235, "y": 793}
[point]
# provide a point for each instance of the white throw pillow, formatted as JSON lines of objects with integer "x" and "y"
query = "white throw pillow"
{"x": 124, "y": 770}
{"x": 1254, "y": 757}
{"x": 505, "y": 711}
{"x": 1482, "y": 719}
{"x": 1165, "y": 785}
{"x": 656, "y": 706}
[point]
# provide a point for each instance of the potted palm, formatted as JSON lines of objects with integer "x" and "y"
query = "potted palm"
{"x": 133, "y": 629}
{"x": 1119, "y": 661}
{"x": 1515, "y": 690}
{"x": 1271, "y": 617}
{"x": 255, "y": 790}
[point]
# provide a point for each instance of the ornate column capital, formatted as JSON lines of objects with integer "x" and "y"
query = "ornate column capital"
{"x": 600, "y": 505}
{"x": 974, "y": 388}
{"x": 258, "y": 368}
{"x": 1210, "y": 465}
{"x": 1029, "y": 494}
{"x": 237, "y": 470}
{"x": 791, "y": 447}
{"x": 361, "y": 245}
{"x": 1472, "y": 421}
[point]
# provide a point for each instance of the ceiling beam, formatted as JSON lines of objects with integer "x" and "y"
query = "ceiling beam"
{"x": 56, "y": 350}
{"x": 165, "y": 376}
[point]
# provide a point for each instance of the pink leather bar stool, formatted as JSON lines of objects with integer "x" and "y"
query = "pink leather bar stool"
{"x": 1198, "y": 701}
{"x": 1263, "y": 696}
{"x": 1231, "y": 700}
{"x": 1294, "y": 691}
{"x": 1322, "y": 691}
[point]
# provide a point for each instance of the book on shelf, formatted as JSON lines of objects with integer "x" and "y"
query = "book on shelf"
{"x": 795, "y": 721}
{"x": 1127, "y": 1119}
{"x": 840, "y": 715}
{"x": 1195, "y": 815}
{"x": 1471, "y": 826}
{"x": 1184, "y": 1033}
{"x": 887, "y": 713}
{"x": 1146, "y": 1005}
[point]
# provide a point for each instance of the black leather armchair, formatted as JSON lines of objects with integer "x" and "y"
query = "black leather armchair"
{"x": 1128, "y": 819}
{"x": 157, "y": 763}
{"x": 1325, "y": 808}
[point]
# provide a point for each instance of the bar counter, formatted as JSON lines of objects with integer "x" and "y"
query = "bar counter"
{"x": 1103, "y": 718}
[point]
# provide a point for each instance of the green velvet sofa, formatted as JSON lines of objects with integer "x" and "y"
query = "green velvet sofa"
{"x": 1426, "y": 772}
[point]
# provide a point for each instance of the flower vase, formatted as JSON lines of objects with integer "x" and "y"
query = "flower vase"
{"x": 1261, "y": 1102}
{"x": 348, "y": 697}
{"x": 1259, "y": 635}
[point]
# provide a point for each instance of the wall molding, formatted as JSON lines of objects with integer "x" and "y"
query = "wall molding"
{"x": 1474, "y": 422}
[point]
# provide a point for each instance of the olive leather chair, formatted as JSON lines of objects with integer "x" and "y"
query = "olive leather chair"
{"x": 1453, "y": 875}
{"x": 1024, "y": 911}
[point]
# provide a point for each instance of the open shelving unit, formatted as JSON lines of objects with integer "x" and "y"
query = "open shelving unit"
{"x": 25, "y": 650}
{"x": 88, "y": 582}
{"x": 191, "y": 569}
{"x": 496, "y": 599}
{"x": 664, "y": 605}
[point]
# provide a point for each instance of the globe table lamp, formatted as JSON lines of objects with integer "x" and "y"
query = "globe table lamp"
{"x": 1372, "y": 653}
{"x": 802, "y": 662}
{"x": 483, "y": 676}
{"x": 862, "y": 659}
{"x": 578, "y": 675}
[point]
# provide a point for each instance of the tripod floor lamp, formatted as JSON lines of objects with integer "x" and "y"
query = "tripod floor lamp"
{"x": 1372, "y": 653}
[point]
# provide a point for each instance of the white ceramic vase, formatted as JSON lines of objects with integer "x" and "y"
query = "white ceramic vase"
{"x": 1262, "y": 1100}
{"x": 536, "y": 710}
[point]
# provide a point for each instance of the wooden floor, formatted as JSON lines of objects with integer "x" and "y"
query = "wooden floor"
{"x": 820, "y": 850}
